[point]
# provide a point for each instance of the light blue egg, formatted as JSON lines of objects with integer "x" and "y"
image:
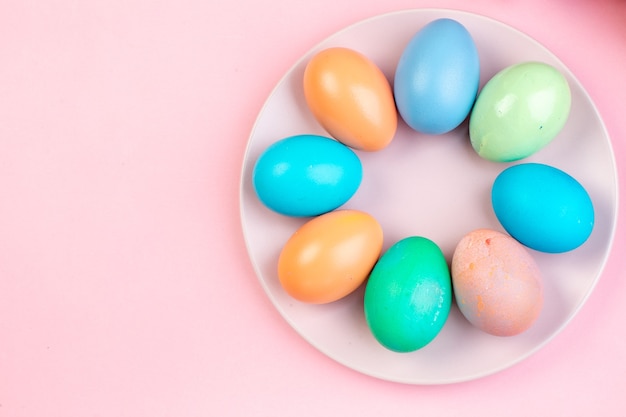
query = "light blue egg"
{"x": 306, "y": 175}
{"x": 437, "y": 77}
{"x": 543, "y": 207}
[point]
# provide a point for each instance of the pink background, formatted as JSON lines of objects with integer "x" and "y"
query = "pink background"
{"x": 125, "y": 286}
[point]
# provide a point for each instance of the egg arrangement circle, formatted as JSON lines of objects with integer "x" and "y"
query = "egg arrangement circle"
{"x": 408, "y": 287}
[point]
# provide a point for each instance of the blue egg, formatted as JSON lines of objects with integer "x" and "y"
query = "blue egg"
{"x": 306, "y": 175}
{"x": 543, "y": 207}
{"x": 437, "y": 77}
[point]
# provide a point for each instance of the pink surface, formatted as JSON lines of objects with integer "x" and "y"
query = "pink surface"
{"x": 125, "y": 286}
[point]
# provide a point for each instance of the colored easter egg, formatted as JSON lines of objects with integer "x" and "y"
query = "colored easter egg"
{"x": 306, "y": 175}
{"x": 330, "y": 256}
{"x": 437, "y": 77}
{"x": 543, "y": 207}
{"x": 408, "y": 295}
{"x": 497, "y": 284}
{"x": 519, "y": 111}
{"x": 351, "y": 98}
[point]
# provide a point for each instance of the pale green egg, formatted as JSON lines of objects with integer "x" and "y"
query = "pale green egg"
{"x": 519, "y": 111}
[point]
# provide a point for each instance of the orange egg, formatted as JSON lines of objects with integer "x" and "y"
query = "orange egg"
{"x": 330, "y": 256}
{"x": 351, "y": 98}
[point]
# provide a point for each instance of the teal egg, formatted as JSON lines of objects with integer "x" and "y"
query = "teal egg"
{"x": 408, "y": 295}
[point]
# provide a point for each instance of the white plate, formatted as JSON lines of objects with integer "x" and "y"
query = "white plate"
{"x": 437, "y": 187}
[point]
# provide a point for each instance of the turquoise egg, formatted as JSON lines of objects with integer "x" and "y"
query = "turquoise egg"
{"x": 543, "y": 207}
{"x": 408, "y": 295}
{"x": 306, "y": 175}
{"x": 437, "y": 77}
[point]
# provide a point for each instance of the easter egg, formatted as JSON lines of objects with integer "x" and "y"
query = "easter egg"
{"x": 351, "y": 98}
{"x": 330, "y": 256}
{"x": 497, "y": 284}
{"x": 408, "y": 295}
{"x": 543, "y": 207}
{"x": 306, "y": 175}
{"x": 519, "y": 111}
{"x": 437, "y": 77}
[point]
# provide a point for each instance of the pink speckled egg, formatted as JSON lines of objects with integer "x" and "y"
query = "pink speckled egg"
{"x": 497, "y": 283}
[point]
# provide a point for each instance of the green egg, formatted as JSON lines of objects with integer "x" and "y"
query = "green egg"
{"x": 519, "y": 111}
{"x": 408, "y": 295}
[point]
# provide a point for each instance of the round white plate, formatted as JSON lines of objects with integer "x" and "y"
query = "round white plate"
{"x": 437, "y": 187}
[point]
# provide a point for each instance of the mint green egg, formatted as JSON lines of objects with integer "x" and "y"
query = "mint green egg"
{"x": 519, "y": 111}
{"x": 408, "y": 295}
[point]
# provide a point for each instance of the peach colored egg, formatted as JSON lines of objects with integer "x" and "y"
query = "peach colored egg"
{"x": 351, "y": 98}
{"x": 330, "y": 256}
{"x": 497, "y": 283}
